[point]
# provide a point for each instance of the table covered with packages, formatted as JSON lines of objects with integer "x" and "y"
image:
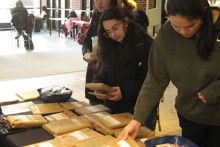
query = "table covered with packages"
{"x": 49, "y": 117}
{"x": 37, "y": 123}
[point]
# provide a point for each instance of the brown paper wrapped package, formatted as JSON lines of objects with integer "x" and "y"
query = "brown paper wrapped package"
{"x": 25, "y": 121}
{"x": 62, "y": 115}
{"x": 120, "y": 142}
{"x": 96, "y": 142}
{"x": 92, "y": 109}
{"x": 94, "y": 116}
{"x": 102, "y": 128}
{"x": 115, "y": 121}
{"x": 144, "y": 132}
{"x": 74, "y": 105}
{"x": 65, "y": 126}
{"x": 72, "y": 138}
{"x": 47, "y": 108}
{"x": 100, "y": 87}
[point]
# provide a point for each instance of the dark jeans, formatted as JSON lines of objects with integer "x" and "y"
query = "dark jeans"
{"x": 202, "y": 135}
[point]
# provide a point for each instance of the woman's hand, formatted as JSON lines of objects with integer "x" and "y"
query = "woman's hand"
{"x": 89, "y": 56}
{"x": 100, "y": 96}
{"x": 130, "y": 130}
{"x": 115, "y": 96}
{"x": 202, "y": 98}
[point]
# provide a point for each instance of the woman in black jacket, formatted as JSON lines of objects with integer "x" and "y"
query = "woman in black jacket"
{"x": 100, "y": 6}
{"x": 122, "y": 60}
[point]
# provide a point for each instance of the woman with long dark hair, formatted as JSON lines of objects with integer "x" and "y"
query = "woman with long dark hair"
{"x": 122, "y": 60}
{"x": 186, "y": 51}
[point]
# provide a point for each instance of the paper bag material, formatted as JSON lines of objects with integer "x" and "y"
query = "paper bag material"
{"x": 102, "y": 128}
{"x": 92, "y": 109}
{"x": 100, "y": 87}
{"x": 74, "y": 105}
{"x": 28, "y": 95}
{"x": 65, "y": 126}
{"x": 98, "y": 94}
{"x": 95, "y": 142}
{"x": 94, "y": 116}
{"x": 49, "y": 143}
{"x": 25, "y": 121}
{"x": 46, "y": 108}
{"x": 62, "y": 115}
{"x": 70, "y": 139}
{"x": 144, "y": 132}
{"x": 115, "y": 121}
{"x": 120, "y": 142}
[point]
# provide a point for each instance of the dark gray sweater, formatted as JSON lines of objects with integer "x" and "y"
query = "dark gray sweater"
{"x": 175, "y": 58}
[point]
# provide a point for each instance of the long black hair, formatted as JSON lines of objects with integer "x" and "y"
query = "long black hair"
{"x": 195, "y": 9}
{"x": 109, "y": 47}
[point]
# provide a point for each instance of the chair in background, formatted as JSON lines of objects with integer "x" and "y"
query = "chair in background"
{"x": 45, "y": 22}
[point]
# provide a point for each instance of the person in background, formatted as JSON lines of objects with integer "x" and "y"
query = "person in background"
{"x": 141, "y": 18}
{"x": 23, "y": 24}
{"x": 84, "y": 17}
{"x": 100, "y": 6}
{"x": 71, "y": 18}
{"x": 128, "y": 6}
{"x": 19, "y": 18}
{"x": 186, "y": 51}
{"x": 67, "y": 27}
{"x": 44, "y": 13}
{"x": 122, "y": 60}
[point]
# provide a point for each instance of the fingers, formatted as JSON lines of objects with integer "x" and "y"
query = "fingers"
{"x": 201, "y": 97}
{"x": 112, "y": 98}
{"x": 123, "y": 134}
{"x": 134, "y": 133}
{"x": 131, "y": 129}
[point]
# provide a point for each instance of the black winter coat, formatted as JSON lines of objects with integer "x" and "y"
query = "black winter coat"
{"x": 88, "y": 45}
{"x": 128, "y": 74}
{"x": 19, "y": 17}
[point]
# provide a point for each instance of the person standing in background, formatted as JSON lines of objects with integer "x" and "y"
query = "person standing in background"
{"x": 186, "y": 51}
{"x": 19, "y": 18}
{"x": 100, "y": 6}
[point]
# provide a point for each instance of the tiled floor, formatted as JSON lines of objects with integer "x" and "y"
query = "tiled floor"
{"x": 75, "y": 80}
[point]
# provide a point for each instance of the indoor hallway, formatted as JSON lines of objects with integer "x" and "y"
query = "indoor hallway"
{"x": 75, "y": 79}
